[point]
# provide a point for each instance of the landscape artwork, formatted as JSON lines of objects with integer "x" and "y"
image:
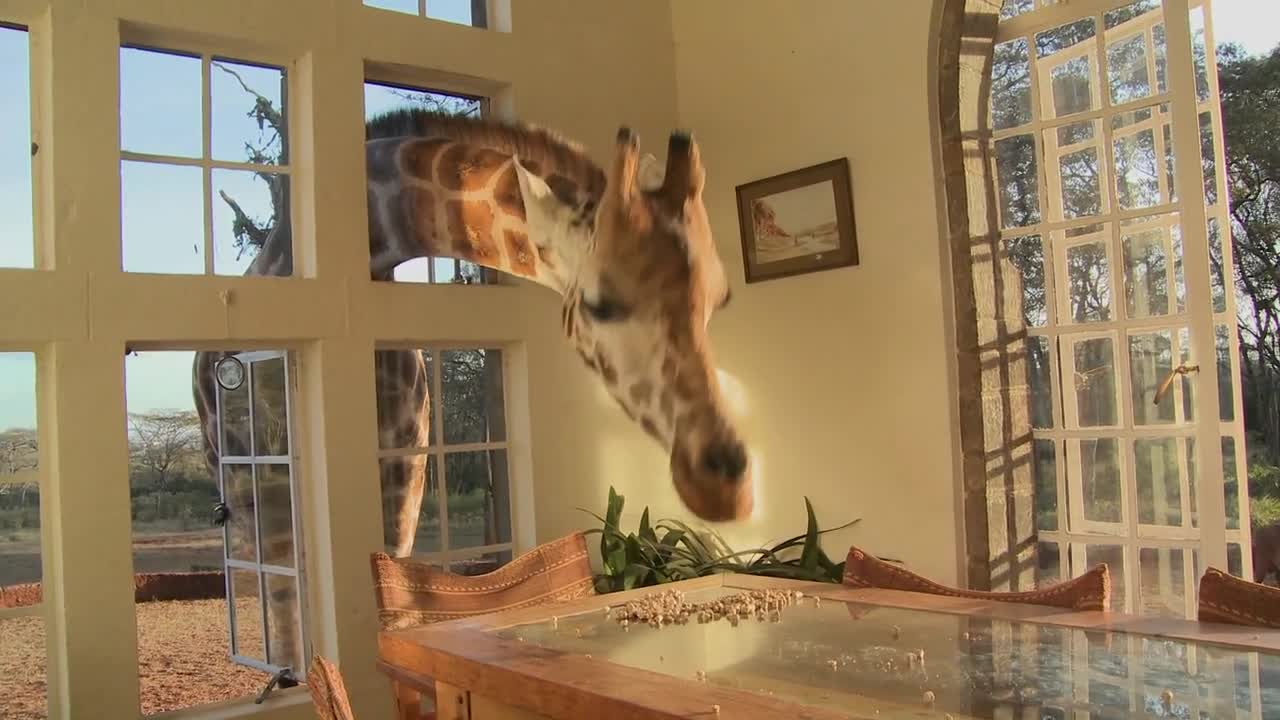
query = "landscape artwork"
{"x": 798, "y": 222}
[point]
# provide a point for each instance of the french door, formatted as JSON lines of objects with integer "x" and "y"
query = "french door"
{"x": 1107, "y": 154}
{"x": 260, "y": 518}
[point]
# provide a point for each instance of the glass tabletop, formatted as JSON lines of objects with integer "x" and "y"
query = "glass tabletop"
{"x": 876, "y": 661}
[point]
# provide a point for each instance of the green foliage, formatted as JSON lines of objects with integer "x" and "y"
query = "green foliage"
{"x": 670, "y": 550}
{"x": 1264, "y": 511}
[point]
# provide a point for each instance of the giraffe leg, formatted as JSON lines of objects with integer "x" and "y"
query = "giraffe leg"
{"x": 404, "y": 421}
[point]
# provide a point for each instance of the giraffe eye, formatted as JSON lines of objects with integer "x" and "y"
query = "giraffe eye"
{"x": 604, "y": 309}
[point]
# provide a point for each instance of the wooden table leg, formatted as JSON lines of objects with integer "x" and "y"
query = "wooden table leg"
{"x": 408, "y": 702}
{"x": 452, "y": 703}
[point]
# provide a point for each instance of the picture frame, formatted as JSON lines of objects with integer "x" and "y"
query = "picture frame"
{"x": 798, "y": 222}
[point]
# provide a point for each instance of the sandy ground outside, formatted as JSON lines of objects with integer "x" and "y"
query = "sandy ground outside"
{"x": 182, "y": 660}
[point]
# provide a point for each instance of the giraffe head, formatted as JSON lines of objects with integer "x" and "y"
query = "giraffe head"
{"x": 638, "y": 309}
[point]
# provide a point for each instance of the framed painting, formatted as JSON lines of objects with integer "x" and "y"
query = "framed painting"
{"x": 798, "y": 222}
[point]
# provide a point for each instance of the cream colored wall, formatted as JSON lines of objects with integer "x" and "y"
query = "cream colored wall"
{"x": 845, "y": 373}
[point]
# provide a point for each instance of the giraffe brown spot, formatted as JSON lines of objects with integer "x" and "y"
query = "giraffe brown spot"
{"x": 607, "y": 370}
{"x": 650, "y": 427}
{"x": 463, "y": 167}
{"x": 419, "y": 157}
{"x": 471, "y": 226}
{"x": 507, "y": 194}
{"x": 520, "y": 253}
{"x": 641, "y": 392}
{"x": 684, "y": 386}
{"x": 418, "y": 205}
{"x": 533, "y": 166}
{"x": 565, "y": 190}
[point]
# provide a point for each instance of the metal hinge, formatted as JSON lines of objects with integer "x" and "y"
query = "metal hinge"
{"x": 284, "y": 677}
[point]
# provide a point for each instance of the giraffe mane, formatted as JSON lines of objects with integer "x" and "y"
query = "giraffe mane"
{"x": 573, "y": 176}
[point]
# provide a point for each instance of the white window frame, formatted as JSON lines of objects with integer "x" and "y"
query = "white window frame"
{"x": 437, "y": 449}
{"x": 1210, "y": 538}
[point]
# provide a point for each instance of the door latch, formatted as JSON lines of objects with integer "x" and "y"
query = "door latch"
{"x": 1182, "y": 369}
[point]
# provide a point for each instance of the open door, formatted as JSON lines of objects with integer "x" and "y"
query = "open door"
{"x": 259, "y": 517}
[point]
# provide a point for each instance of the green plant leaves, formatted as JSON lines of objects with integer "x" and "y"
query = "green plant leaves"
{"x": 641, "y": 559}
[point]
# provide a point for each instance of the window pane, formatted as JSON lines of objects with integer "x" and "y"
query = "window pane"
{"x": 1049, "y": 564}
{"x": 248, "y": 120}
{"x": 1150, "y": 362}
{"x": 1231, "y": 483}
{"x": 479, "y": 498}
{"x": 1146, "y": 243}
{"x": 1099, "y": 468}
{"x": 454, "y": 11}
{"x": 1163, "y": 584}
{"x": 1159, "y": 483}
{"x": 1013, "y": 8}
{"x": 160, "y": 103}
{"x": 1018, "y": 182}
{"x": 472, "y": 402}
{"x": 1143, "y": 157}
{"x": 275, "y": 515}
{"x": 1199, "y": 53}
{"x": 1081, "y": 183}
{"x": 20, "y": 563}
{"x": 237, "y": 482}
{"x": 249, "y": 216}
{"x": 404, "y": 472}
{"x": 284, "y": 641}
{"x": 486, "y": 563}
{"x": 234, "y": 426}
{"x": 1027, "y": 256}
{"x": 247, "y": 615}
{"x": 1113, "y": 556}
{"x": 23, "y": 673}
{"x": 1095, "y": 382}
{"x": 17, "y": 235}
{"x": 162, "y": 218}
{"x": 270, "y": 408}
{"x": 1208, "y": 160}
{"x": 404, "y": 6}
{"x": 1039, "y": 374}
{"x": 1217, "y": 269}
{"x": 1127, "y": 69}
{"x": 402, "y": 381}
{"x": 1046, "y": 477}
{"x": 1089, "y": 282}
{"x": 1011, "y": 85}
{"x": 1072, "y": 81}
{"x": 1226, "y": 385}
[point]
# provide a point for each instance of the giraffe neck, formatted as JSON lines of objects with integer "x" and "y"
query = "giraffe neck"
{"x": 513, "y": 199}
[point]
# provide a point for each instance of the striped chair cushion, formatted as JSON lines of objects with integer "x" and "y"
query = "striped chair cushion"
{"x": 1090, "y": 591}
{"x": 1225, "y": 598}
{"x": 411, "y": 592}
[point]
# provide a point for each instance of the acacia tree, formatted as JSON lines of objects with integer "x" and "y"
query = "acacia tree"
{"x": 163, "y": 441}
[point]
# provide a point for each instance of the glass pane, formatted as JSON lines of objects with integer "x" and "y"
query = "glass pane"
{"x": 1046, "y": 477}
{"x": 481, "y": 564}
{"x": 479, "y": 498}
{"x": 248, "y": 121}
{"x": 1089, "y": 282}
{"x": 270, "y": 408}
{"x": 1230, "y": 483}
{"x": 1095, "y": 382}
{"x": 1187, "y": 381}
{"x": 1217, "y": 269}
{"x": 247, "y": 613}
{"x": 411, "y": 471}
{"x": 162, "y": 218}
{"x": 17, "y": 235}
{"x": 23, "y": 669}
{"x": 1113, "y": 556}
{"x": 1159, "y": 481}
{"x": 1199, "y": 53}
{"x": 275, "y": 515}
{"x": 233, "y": 408}
{"x": 455, "y": 11}
{"x": 241, "y": 526}
{"x": 248, "y": 209}
{"x": 20, "y": 568}
{"x": 1208, "y": 160}
{"x": 1016, "y": 176}
{"x": 402, "y": 381}
{"x": 1072, "y": 86}
{"x": 1039, "y": 372}
{"x": 1127, "y": 69}
{"x": 1013, "y": 8}
{"x": 472, "y": 406}
{"x": 1146, "y": 286}
{"x": 161, "y": 108}
{"x": 1150, "y": 362}
{"x": 1226, "y": 385}
{"x": 1049, "y": 564}
{"x": 1099, "y": 467}
{"x": 1081, "y": 185}
{"x": 1192, "y": 470}
{"x": 1027, "y": 256}
{"x": 404, "y": 6}
{"x": 1163, "y": 583}
{"x": 284, "y": 642}
{"x": 1011, "y": 85}
{"x": 1143, "y": 157}
{"x": 1235, "y": 560}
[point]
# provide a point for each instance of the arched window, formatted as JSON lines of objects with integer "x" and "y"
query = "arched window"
{"x": 1101, "y": 407}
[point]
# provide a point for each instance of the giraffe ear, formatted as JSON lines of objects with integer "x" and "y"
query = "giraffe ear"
{"x": 541, "y": 206}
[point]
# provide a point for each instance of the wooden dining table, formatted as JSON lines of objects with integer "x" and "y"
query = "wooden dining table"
{"x": 833, "y": 652}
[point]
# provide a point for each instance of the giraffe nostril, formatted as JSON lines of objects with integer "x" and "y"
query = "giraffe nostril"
{"x": 726, "y": 459}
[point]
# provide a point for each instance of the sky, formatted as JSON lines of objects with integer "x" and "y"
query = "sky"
{"x": 162, "y": 205}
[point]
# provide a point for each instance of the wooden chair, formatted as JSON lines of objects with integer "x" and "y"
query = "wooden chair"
{"x": 328, "y": 692}
{"x": 1090, "y": 591}
{"x": 410, "y": 592}
{"x": 1225, "y": 598}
